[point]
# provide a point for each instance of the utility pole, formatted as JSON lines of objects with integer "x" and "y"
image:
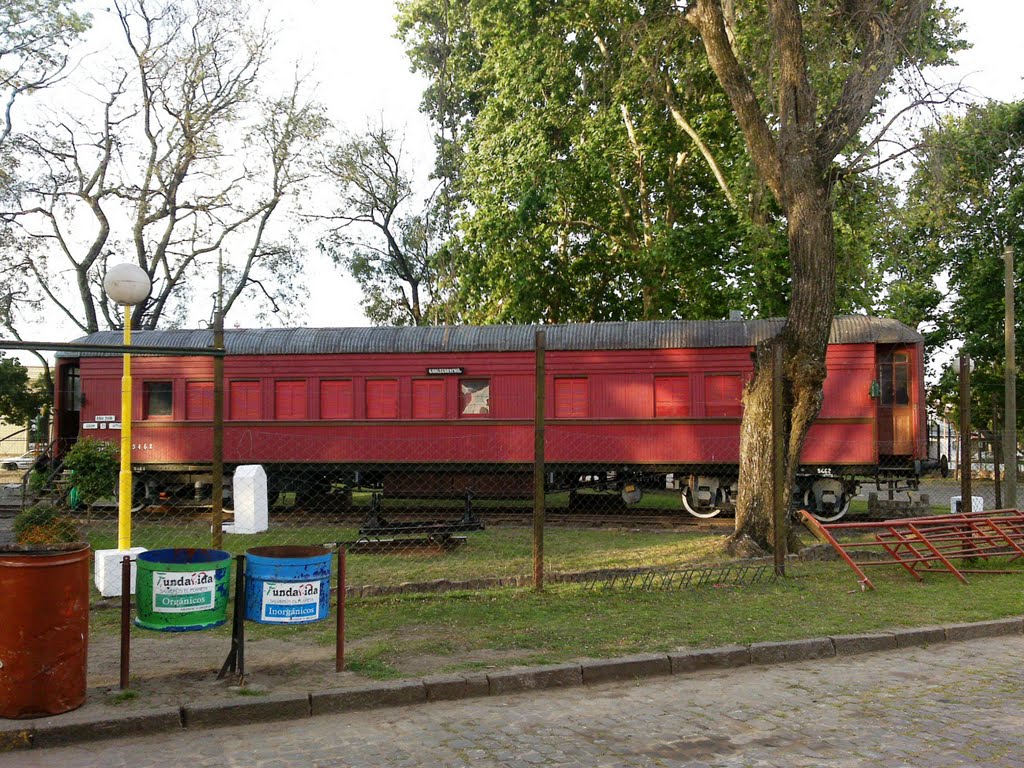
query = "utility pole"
{"x": 966, "y": 502}
{"x": 1010, "y": 416}
{"x": 217, "y": 466}
{"x": 540, "y": 347}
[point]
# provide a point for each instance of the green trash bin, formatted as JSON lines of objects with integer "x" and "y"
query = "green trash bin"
{"x": 181, "y": 590}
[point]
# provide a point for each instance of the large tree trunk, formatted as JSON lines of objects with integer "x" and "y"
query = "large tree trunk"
{"x": 804, "y": 338}
{"x": 793, "y": 154}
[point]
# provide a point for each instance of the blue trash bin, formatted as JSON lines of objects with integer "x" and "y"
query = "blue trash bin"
{"x": 287, "y": 584}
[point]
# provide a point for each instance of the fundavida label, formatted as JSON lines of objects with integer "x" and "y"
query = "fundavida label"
{"x": 176, "y": 592}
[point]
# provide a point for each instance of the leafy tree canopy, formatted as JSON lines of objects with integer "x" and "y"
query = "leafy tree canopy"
{"x": 964, "y": 207}
{"x": 595, "y": 168}
{"x": 20, "y": 398}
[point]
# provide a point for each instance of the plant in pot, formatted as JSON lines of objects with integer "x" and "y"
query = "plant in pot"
{"x": 46, "y": 528}
{"x": 44, "y": 602}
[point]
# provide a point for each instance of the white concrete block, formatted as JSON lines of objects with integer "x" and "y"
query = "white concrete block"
{"x": 249, "y": 493}
{"x": 107, "y": 573}
{"x": 977, "y": 504}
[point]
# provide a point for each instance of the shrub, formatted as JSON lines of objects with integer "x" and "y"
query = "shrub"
{"x": 37, "y": 481}
{"x": 45, "y": 525}
{"x": 95, "y": 465}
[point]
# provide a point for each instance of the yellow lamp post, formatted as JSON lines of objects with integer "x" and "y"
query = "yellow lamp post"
{"x": 128, "y": 285}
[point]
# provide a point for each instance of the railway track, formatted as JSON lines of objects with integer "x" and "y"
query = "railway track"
{"x": 357, "y": 516}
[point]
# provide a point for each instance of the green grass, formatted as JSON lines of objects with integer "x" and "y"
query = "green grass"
{"x": 495, "y": 552}
{"x": 122, "y": 696}
{"x": 518, "y": 626}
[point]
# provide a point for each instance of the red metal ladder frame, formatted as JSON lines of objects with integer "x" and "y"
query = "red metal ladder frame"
{"x": 927, "y": 544}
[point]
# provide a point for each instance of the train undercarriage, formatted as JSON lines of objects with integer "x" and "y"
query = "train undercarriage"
{"x": 826, "y": 492}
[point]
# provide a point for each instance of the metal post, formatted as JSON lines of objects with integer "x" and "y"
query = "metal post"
{"x": 124, "y": 501}
{"x": 538, "y": 465}
{"x": 339, "y": 643}
{"x": 997, "y": 454}
{"x": 779, "y": 506}
{"x": 217, "y": 512}
{"x": 236, "y": 656}
{"x": 1010, "y": 385}
{"x": 966, "y": 502}
{"x": 126, "y": 618}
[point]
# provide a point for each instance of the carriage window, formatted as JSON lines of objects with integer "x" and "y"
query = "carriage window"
{"x": 199, "y": 400}
{"x": 244, "y": 400}
{"x": 336, "y": 399}
{"x": 894, "y": 380}
{"x": 572, "y": 398}
{"x": 672, "y": 396}
{"x": 290, "y": 400}
{"x": 428, "y": 399}
{"x": 474, "y": 397}
{"x": 900, "y": 381}
{"x": 723, "y": 395}
{"x": 156, "y": 399}
{"x": 72, "y": 394}
{"x": 382, "y": 399}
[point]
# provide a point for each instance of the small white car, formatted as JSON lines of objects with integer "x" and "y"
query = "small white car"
{"x": 22, "y": 463}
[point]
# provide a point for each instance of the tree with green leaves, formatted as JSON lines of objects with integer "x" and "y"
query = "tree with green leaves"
{"x": 20, "y": 398}
{"x": 34, "y": 41}
{"x": 597, "y": 170}
{"x": 663, "y": 159}
{"x": 964, "y": 207}
{"x": 803, "y": 81}
{"x": 380, "y": 233}
{"x": 580, "y": 199}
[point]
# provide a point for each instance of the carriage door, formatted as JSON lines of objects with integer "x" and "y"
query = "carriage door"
{"x": 69, "y": 405}
{"x": 895, "y": 402}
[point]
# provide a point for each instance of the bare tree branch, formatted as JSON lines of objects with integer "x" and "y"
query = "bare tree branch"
{"x": 706, "y": 16}
{"x": 882, "y": 37}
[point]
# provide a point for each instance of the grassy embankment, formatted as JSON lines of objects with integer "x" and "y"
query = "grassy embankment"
{"x": 517, "y": 626}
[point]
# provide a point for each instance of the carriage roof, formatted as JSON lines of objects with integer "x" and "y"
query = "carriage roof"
{"x": 659, "y": 334}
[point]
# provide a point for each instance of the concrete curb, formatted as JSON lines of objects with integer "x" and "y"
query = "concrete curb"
{"x": 80, "y": 727}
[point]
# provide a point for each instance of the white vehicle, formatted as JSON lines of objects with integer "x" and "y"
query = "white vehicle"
{"x": 22, "y": 463}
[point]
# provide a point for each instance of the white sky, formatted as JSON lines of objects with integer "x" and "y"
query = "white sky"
{"x": 361, "y": 74}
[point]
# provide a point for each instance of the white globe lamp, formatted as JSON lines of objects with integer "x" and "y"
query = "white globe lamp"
{"x": 127, "y": 284}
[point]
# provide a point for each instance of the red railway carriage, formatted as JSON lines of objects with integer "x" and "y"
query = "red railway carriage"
{"x": 449, "y": 410}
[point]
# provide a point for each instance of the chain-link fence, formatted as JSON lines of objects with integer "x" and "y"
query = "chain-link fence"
{"x": 451, "y": 525}
{"x": 421, "y": 501}
{"x": 433, "y": 524}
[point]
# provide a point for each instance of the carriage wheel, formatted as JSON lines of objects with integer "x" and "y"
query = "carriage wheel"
{"x": 695, "y": 510}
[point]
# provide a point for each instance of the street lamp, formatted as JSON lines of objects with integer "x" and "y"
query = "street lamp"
{"x": 128, "y": 285}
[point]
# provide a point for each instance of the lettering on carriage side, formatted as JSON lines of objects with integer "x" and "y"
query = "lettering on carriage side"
{"x": 142, "y": 446}
{"x": 90, "y": 425}
{"x": 106, "y": 417}
{"x": 445, "y": 371}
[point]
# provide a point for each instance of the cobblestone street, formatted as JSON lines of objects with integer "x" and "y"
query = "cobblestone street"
{"x": 954, "y": 704}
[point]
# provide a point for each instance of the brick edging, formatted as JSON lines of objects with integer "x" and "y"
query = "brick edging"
{"x": 77, "y": 727}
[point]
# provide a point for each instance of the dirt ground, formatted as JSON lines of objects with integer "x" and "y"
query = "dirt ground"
{"x": 182, "y": 669}
{"x": 175, "y": 669}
